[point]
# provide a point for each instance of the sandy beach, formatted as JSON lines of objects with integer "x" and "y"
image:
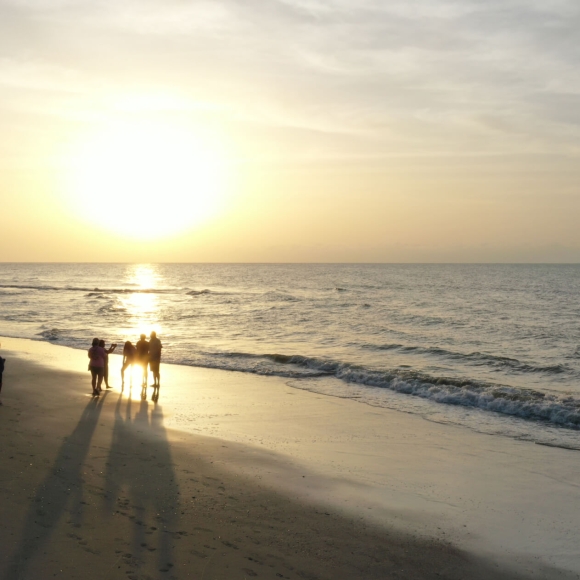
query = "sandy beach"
{"x": 234, "y": 476}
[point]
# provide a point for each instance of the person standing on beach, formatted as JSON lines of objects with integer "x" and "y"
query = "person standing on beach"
{"x": 155, "y": 347}
{"x": 2, "y": 361}
{"x": 108, "y": 351}
{"x": 143, "y": 357}
{"x": 129, "y": 353}
{"x": 97, "y": 357}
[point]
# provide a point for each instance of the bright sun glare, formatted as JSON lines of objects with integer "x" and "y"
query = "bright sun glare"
{"x": 146, "y": 180}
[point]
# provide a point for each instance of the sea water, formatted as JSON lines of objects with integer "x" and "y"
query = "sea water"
{"x": 495, "y": 348}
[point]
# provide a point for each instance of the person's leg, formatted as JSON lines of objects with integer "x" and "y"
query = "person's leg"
{"x": 123, "y": 369}
{"x": 94, "y": 380}
{"x": 106, "y": 375}
{"x": 154, "y": 367}
{"x": 99, "y": 379}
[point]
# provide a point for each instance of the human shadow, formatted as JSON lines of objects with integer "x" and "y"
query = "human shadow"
{"x": 63, "y": 487}
{"x": 140, "y": 483}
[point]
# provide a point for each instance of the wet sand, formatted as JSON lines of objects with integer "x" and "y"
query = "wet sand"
{"x": 101, "y": 488}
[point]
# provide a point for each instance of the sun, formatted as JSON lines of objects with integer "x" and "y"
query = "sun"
{"x": 147, "y": 179}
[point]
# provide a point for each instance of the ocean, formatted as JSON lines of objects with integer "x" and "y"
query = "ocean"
{"x": 495, "y": 348}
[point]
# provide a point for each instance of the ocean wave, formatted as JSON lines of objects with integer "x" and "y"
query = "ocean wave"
{"x": 111, "y": 307}
{"x": 474, "y": 358}
{"x": 51, "y": 334}
{"x": 275, "y": 296}
{"x": 198, "y": 292}
{"x": 208, "y": 292}
{"x": 91, "y": 291}
{"x": 250, "y": 363}
{"x": 530, "y": 404}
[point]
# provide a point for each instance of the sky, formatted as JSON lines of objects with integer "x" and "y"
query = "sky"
{"x": 290, "y": 131}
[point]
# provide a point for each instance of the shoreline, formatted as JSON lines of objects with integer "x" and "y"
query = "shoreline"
{"x": 303, "y": 487}
{"x": 549, "y": 423}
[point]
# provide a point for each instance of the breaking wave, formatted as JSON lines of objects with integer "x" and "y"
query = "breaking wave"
{"x": 529, "y": 404}
{"x": 51, "y": 334}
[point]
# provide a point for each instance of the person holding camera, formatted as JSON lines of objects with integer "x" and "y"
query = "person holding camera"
{"x": 108, "y": 351}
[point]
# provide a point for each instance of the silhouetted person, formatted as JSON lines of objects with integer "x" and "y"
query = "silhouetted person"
{"x": 129, "y": 354}
{"x": 108, "y": 351}
{"x": 143, "y": 357}
{"x": 2, "y": 361}
{"x": 97, "y": 357}
{"x": 155, "y": 347}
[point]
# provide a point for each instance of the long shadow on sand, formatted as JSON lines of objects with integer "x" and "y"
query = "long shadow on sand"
{"x": 140, "y": 484}
{"x": 60, "y": 489}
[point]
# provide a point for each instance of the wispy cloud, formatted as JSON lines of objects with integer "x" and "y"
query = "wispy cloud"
{"x": 420, "y": 76}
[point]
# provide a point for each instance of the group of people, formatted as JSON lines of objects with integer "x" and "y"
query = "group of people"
{"x": 144, "y": 354}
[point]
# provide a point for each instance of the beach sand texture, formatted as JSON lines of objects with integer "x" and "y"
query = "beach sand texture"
{"x": 235, "y": 476}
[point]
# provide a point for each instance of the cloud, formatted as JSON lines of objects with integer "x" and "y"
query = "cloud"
{"x": 420, "y": 76}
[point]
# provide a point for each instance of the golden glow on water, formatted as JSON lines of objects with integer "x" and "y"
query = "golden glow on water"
{"x": 143, "y": 275}
{"x": 143, "y": 306}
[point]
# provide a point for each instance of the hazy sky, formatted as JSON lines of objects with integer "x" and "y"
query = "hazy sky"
{"x": 298, "y": 130}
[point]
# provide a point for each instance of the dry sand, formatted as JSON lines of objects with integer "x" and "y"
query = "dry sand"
{"x": 101, "y": 488}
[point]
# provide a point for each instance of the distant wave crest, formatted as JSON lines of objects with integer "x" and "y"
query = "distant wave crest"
{"x": 91, "y": 291}
{"x": 474, "y": 358}
{"x": 198, "y": 292}
{"x": 274, "y": 296}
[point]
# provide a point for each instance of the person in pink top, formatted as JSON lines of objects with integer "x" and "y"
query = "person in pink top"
{"x": 97, "y": 356}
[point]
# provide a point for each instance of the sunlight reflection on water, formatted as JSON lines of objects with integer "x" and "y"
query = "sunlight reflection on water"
{"x": 142, "y": 307}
